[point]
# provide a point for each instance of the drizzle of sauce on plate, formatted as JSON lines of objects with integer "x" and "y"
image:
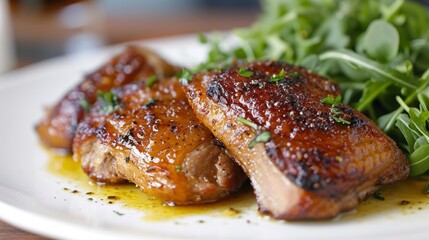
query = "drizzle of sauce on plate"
{"x": 132, "y": 197}
{"x": 407, "y": 197}
{"x": 404, "y": 197}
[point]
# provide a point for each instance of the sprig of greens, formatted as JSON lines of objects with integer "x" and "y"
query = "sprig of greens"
{"x": 278, "y": 77}
{"x": 334, "y": 102}
{"x": 85, "y": 104}
{"x": 260, "y": 137}
{"x": 378, "y": 51}
{"x": 109, "y": 101}
{"x": 151, "y": 80}
{"x": 244, "y": 73}
{"x": 247, "y": 123}
{"x": 185, "y": 76}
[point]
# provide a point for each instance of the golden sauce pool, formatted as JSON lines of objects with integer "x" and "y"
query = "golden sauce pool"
{"x": 406, "y": 197}
{"x": 132, "y": 197}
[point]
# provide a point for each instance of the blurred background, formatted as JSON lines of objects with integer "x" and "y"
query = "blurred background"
{"x": 34, "y": 30}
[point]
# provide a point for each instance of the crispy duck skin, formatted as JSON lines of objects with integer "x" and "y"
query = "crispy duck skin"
{"x": 58, "y": 127}
{"x": 155, "y": 141}
{"x": 313, "y": 166}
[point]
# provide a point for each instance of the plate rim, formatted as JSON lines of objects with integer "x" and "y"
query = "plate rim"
{"x": 24, "y": 219}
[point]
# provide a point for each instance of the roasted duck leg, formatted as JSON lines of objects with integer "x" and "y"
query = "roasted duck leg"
{"x": 307, "y": 155}
{"x": 151, "y": 137}
{"x": 58, "y": 127}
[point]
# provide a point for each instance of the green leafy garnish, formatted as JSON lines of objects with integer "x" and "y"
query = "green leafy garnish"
{"x": 178, "y": 168}
{"x": 244, "y": 73}
{"x": 85, "y": 104}
{"x": 341, "y": 120}
{"x": 378, "y": 52}
{"x": 261, "y": 137}
{"x": 335, "y": 102}
{"x": 331, "y": 100}
{"x": 109, "y": 101}
{"x": 382, "y": 48}
{"x": 202, "y": 38}
{"x": 278, "y": 77}
{"x": 185, "y": 76}
{"x": 247, "y": 123}
{"x": 151, "y": 80}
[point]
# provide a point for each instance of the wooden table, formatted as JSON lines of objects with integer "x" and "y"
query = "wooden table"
{"x": 10, "y": 233}
{"x": 48, "y": 32}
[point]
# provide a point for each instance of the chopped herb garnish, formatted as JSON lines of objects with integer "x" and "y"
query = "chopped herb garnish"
{"x": 331, "y": 100}
{"x": 261, "y": 137}
{"x": 278, "y": 77}
{"x": 185, "y": 76}
{"x": 150, "y": 101}
{"x": 384, "y": 73}
{"x": 85, "y": 104}
{"x": 202, "y": 38}
{"x": 247, "y": 123}
{"x": 178, "y": 168}
{"x": 378, "y": 196}
{"x": 244, "y": 73}
{"x": 335, "y": 102}
{"x": 151, "y": 80}
{"x": 295, "y": 75}
{"x": 109, "y": 101}
{"x": 264, "y": 136}
{"x": 341, "y": 120}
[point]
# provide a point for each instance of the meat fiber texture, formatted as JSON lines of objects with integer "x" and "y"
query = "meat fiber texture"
{"x": 154, "y": 140}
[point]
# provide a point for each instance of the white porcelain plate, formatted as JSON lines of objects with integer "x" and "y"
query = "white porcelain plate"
{"x": 33, "y": 199}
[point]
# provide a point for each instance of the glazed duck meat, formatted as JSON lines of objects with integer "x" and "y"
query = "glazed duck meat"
{"x": 58, "y": 127}
{"x": 308, "y": 156}
{"x": 147, "y": 133}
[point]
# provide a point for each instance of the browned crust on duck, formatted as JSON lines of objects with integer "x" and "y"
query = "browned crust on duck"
{"x": 160, "y": 145}
{"x": 326, "y": 165}
{"x": 58, "y": 127}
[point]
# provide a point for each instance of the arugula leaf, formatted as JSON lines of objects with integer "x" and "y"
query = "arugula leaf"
{"x": 419, "y": 160}
{"x": 374, "y": 69}
{"x": 378, "y": 52}
{"x": 381, "y": 40}
{"x": 371, "y": 91}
